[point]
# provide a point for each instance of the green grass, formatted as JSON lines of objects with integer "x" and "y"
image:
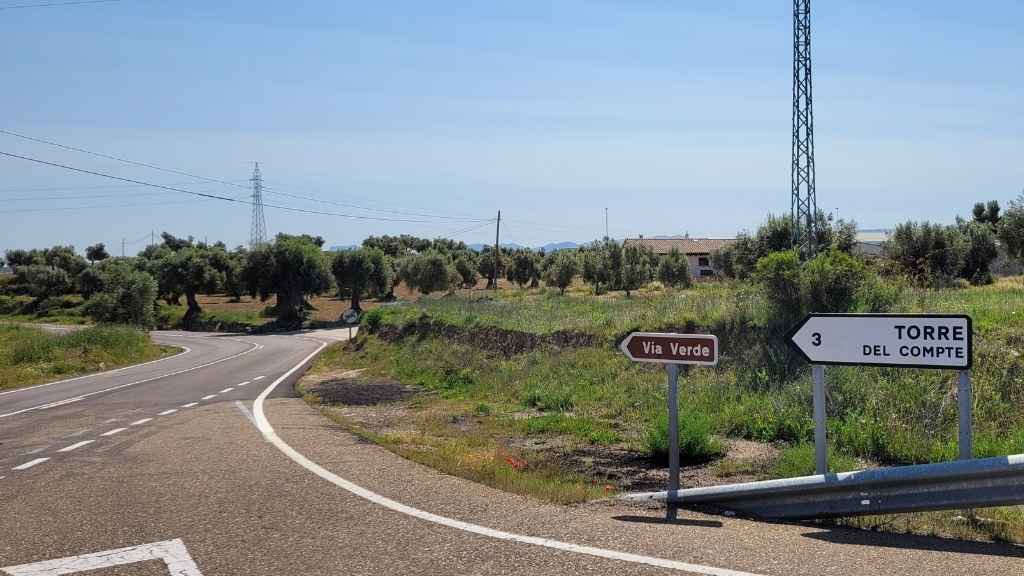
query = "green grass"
{"x": 799, "y": 460}
{"x": 169, "y": 316}
{"x": 876, "y": 416}
{"x": 31, "y": 356}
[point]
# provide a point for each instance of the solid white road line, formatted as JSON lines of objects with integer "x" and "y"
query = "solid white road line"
{"x": 118, "y": 387}
{"x": 259, "y": 378}
{"x": 140, "y": 422}
{"x": 76, "y": 446}
{"x": 271, "y": 436}
{"x": 208, "y": 396}
{"x": 168, "y": 412}
{"x": 112, "y": 432}
{"x": 190, "y": 404}
{"x": 225, "y": 391}
{"x": 185, "y": 350}
{"x": 29, "y": 464}
{"x": 242, "y": 383}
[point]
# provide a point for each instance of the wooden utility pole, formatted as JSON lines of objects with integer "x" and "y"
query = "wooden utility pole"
{"x": 497, "y": 253}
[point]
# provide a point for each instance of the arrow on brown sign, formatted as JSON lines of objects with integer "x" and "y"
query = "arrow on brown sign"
{"x": 698, "y": 349}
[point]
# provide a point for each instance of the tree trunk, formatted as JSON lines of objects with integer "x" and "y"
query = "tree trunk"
{"x": 355, "y": 301}
{"x": 289, "y": 309}
{"x": 193, "y": 312}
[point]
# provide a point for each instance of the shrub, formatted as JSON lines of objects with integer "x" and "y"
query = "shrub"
{"x": 929, "y": 254}
{"x": 56, "y": 304}
{"x": 696, "y": 443}
{"x": 129, "y": 298}
{"x": 372, "y": 319}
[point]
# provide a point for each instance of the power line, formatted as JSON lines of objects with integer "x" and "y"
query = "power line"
{"x": 73, "y": 188}
{"x": 49, "y": 4}
{"x": 383, "y": 210}
{"x": 88, "y": 197}
{"x": 213, "y": 196}
{"x": 233, "y": 184}
{"x": 118, "y": 159}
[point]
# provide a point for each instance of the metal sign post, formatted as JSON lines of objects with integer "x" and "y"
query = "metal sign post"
{"x": 673, "y": 350}
{"x": 673, "y": 437}
{"x": 936, "y": 341}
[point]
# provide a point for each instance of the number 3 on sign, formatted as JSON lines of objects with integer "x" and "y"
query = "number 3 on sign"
{"x": 816, "y": 338}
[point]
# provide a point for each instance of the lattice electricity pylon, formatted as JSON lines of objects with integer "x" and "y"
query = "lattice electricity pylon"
{"x": 258, "y": 230}
{"x": 804, "y": 202}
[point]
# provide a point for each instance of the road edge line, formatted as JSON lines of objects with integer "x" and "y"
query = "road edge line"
{"x": 263, "y": 425}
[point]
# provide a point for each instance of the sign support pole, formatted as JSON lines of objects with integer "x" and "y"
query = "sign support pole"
{"x": 820, "y": 443}
{"x": 966, "y": 420}
{"x": 673, "y": 439}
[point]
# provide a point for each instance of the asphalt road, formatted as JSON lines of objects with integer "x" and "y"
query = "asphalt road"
{"x": 194, "y": 466}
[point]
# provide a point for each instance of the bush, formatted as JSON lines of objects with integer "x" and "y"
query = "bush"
{"x": 695, "y": 441}
{"x": 830, "y": 282}
{"x": 560, "y": 268}
{"x": 129, "y": 298}
{"x": 372, "y": 319}
{"x": 11, "y": 305}
{"x": 56, "y": 304}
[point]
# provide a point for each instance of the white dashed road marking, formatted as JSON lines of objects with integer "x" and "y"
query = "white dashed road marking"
{"x": 225, "y": 391}
{"x": 76, "y": 446}
{"x": 140, "y": 422}
{"x": 242, "y": 383}
{"x": 30, "y": 464}
{"x": 112, "y": 432}
{"x": 190, "y": 404}
{"x": 259, "y": 378}
{"x": 207, "y": 397}
{"x": 168, "y": 412}
{"x": 36, "y": 451}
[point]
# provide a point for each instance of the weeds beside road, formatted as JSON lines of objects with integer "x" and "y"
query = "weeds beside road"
{"x": 32, "y": 356}
{"x": 583, "y": 414}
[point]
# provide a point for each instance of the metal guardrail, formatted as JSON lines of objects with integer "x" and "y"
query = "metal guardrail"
{"x": 963, "y": 484}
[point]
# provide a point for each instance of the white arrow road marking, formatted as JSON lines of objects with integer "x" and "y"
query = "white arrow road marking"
{"x": 172, "y": 552}
{"x": 30, "y": 464}
{"x": 271, "y": 436}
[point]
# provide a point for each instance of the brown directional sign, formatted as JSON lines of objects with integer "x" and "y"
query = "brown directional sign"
{"x": 700, "y": 349}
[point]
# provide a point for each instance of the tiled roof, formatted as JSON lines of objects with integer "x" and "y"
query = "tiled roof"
{"x": 684, "y": 245}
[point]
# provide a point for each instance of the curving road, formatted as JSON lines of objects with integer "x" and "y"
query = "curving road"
{"x": 201, "y": 464}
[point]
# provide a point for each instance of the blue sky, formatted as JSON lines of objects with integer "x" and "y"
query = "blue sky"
{"x": 674, "y": 115}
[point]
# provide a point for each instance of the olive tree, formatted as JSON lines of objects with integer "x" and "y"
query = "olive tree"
{"x": 561, "y": 268}
{"x": 353, "y": 269}
{"x": 291, "y": 268}
{"x": 635, "y": 271}
{"x": 673, "y": 270}
{"x": 96, "y": 253}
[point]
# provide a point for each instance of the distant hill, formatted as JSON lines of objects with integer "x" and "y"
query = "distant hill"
{"x": 554, "y": 246}
{"x": 480, "y": 247}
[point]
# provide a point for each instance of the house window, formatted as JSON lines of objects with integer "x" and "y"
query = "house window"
{"x": 705, "y": 273}
{"x": 703, "y": 261}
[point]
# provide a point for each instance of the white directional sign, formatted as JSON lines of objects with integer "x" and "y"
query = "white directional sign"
{"x": 171, "y": 552}
{"x": 912, "y": 340}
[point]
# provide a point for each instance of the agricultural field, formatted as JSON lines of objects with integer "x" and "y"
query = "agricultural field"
{"x": 525, "y": 390}
{"x": 30, "y": 356}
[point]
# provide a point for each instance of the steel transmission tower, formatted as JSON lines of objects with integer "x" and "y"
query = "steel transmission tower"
{"x": 258, "y": 230}
{"x": 804, "y": 202}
